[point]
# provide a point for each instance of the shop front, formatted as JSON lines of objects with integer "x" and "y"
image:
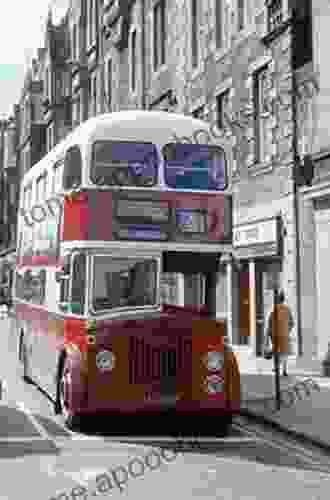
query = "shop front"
{"x": 316, "y": 264}
{"x": 253, "y": 272}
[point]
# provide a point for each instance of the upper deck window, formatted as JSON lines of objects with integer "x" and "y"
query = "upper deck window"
{"x": 72, "y": 168}
{"x": 124, "y": 163}
{"x": 123, "y": 283}
{"x": 195, "y": 166}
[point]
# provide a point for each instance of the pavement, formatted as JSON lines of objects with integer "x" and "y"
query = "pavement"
{"x": 304, "y": 411}
{"x": 305, "y": 407}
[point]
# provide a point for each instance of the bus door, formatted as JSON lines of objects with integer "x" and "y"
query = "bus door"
{"x": 69, "y": 289}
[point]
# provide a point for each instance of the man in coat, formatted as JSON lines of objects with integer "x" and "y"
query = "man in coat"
{"x": 285, "y": 324}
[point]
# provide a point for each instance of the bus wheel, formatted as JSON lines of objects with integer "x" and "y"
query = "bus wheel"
{"x": 62, "y": 405}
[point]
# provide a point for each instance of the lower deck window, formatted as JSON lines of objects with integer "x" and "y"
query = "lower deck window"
{"x": 123, "y": 283}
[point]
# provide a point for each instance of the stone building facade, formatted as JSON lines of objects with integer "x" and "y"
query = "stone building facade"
{"x": 234, "y": 63}
{"x": 314, "y": 199}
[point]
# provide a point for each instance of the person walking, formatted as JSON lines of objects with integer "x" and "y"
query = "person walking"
{"x": 285, "y": 324}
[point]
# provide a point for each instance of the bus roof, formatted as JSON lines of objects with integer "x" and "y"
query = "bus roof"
{"x": 158, "y": 127}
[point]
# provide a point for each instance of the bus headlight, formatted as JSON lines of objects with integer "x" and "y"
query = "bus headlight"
{"x": 215, "y": 384}
{"x": 214, "y": 360}
{"x": 105, "y": 361}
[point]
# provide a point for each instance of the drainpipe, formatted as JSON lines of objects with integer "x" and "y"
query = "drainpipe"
{"x": 296, "y": 163}
{"x": 143, "y": 50}
{"x": 3, "y": 243}
{"x": 101, "y": 62}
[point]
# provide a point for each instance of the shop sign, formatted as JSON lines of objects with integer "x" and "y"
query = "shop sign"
{"x": 255, "y": 233}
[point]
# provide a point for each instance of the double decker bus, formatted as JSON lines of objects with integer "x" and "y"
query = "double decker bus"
{"x": 107, "y": 221}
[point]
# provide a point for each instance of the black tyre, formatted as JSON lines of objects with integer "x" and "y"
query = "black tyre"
{"x": 23, "y": 358}
{"x": 224, "y": 426}
{"x": 61, "y": 407}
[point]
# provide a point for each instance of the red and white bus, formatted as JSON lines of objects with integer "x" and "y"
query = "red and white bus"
{"x": 107, "y": 220}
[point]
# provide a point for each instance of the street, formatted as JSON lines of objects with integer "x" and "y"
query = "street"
{"x": 54, "y": 463}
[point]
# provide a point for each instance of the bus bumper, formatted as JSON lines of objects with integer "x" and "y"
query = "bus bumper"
{"x": 119, "y": 407}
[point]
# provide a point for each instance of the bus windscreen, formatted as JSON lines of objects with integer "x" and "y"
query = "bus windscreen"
{"x": 119, "y": 163}
{"x": 194, "y": 166}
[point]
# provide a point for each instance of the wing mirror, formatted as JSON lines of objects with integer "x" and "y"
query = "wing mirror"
{"x": 60, "y": 276}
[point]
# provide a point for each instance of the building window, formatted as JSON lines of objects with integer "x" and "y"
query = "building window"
{"x": 78, "y": 111}
{"x": 133, "y": 61}
{"x": 275, "y": 14}
{"x": 73, "y": 42}
{"x": 240, "y": 14}
{"x": 49, "y": 84}
{"x": 32, "y": 111}
{"x": 159, "y": 34}
{"x": 302, "y": 43}
{"x": 199, "y": 113}
{"x": 194, "y": 33}
{"x": 49, "y": 138}
{"x": 76, "y": 43}
{"x": 109, "y": 85}
{"x": 222, "y": 106}
{"x": 94, "y": 95}
{"x": 259, "y": 93}
{"x": 91, "y": 22}
{"x": 46, "y": 82}
{"x": 218, "y": 23}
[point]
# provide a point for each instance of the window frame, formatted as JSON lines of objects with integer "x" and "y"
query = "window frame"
{"x": 115, "y": 311}
{"x": 109, "y": 73}
{"x": 274, "y": 14}
{"x": 133, "y": 60}
{"x": 74, "y": 41}
{"x": 74, "y": 256}
{"x": 195, "y": 52}
{"x": 220, "y": 108}
{"x": 241, "y": 15}
{"x": 159, "y": 35}
{"x": 109, "y": 141}
{"x": 258, "y": 120}
{"x": 219, "y": 24}
{"x": 214, "y": 147}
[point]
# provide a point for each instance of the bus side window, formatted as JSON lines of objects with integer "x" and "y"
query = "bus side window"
{"x": 78, "y": 284}
{"x": 31, "y": 286}
{"x": 64, "y": 282}
{"x": 72, "y": 168}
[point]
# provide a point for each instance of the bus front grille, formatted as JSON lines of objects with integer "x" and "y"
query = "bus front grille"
{"x": 148, "y": 363}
